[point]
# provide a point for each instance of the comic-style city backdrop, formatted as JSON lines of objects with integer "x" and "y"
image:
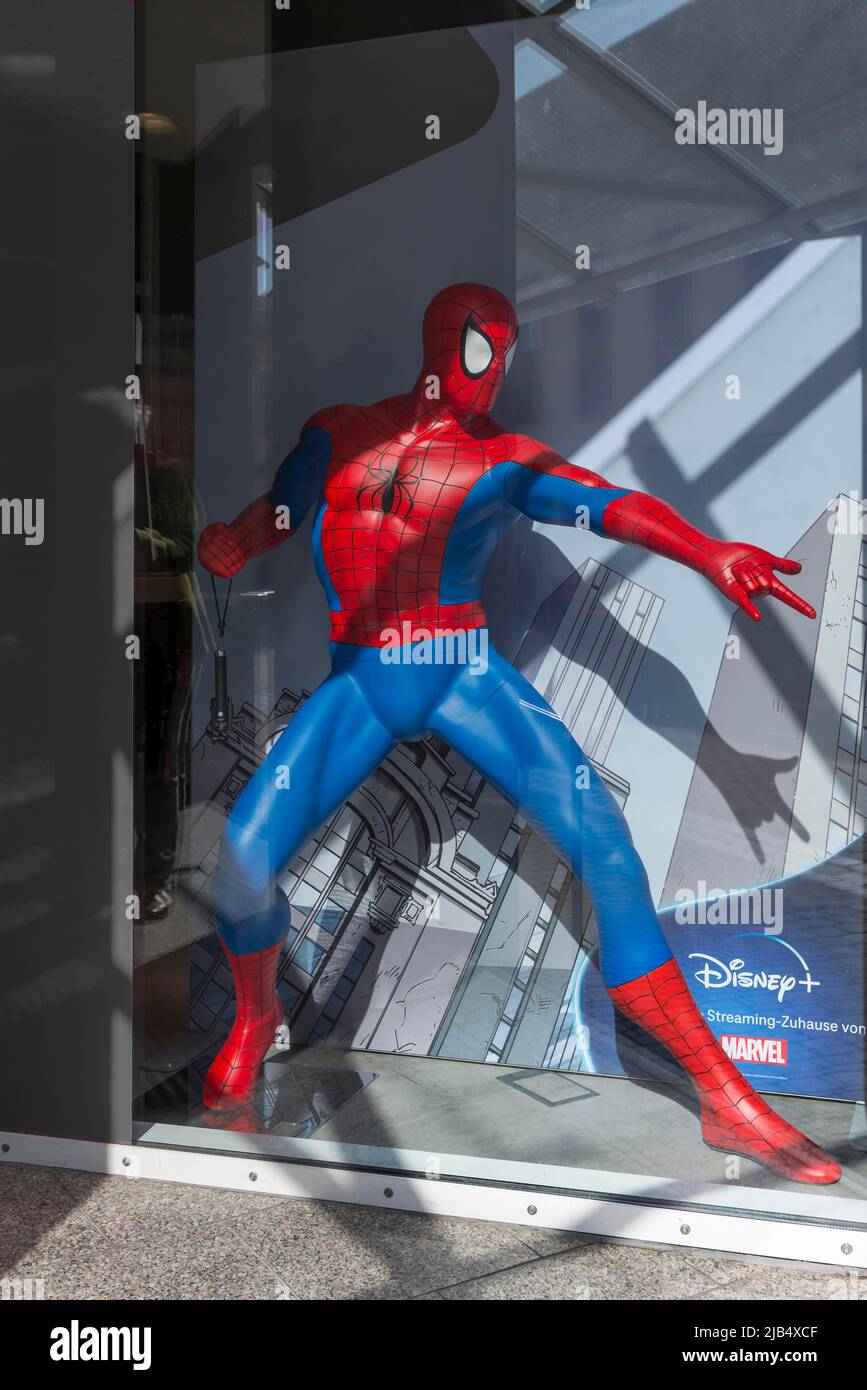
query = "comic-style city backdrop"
{"x": 427, "y": 916}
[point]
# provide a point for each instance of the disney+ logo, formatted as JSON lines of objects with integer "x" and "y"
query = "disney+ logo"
{"x": 719, "y": 974}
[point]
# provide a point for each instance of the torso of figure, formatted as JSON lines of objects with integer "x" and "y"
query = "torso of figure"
{"x": 412, "y": 494}
{"x": 410, "y": 512}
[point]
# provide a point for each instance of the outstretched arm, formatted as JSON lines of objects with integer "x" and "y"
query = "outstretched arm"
{"x": 547, "y": 487}
{"x": 224, "y": 548}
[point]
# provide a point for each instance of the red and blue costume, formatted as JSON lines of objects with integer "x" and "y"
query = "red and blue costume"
{"x": 411, "y": 496}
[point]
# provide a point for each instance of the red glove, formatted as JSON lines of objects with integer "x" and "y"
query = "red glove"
{"x": 219, "y": 552}
{"x": 741, "y": 572}
{"x": 744, "y": 572}
{"x": 224, "y": 549}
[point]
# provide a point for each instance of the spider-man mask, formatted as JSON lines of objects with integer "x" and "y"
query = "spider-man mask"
{"x": 470, "y": 333}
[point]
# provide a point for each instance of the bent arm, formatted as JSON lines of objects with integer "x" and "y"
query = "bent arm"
{"x": 224, "y": 548}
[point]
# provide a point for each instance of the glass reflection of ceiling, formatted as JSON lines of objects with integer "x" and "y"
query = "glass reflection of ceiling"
{"x": 541, "y": 6}
{"x": 608, "y": 22}
{"x": 597, "y": 163}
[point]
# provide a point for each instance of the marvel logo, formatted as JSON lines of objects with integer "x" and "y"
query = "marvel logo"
{"x": 773, "y": 1052}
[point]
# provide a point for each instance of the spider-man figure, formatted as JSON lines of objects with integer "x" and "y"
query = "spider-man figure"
{"x": 411, "y": 495}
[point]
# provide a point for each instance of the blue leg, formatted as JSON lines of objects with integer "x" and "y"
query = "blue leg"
{"x": 504, "y": 727}
{"x": 331, "y": 745}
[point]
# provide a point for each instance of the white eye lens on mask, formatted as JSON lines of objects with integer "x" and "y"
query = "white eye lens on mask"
{"x": 509, "y": 355}
{"x": 477, "y": 352}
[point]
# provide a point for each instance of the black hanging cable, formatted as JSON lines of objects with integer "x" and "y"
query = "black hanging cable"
{"x": 222, "y": 713}
{"x": 221, "y": 617}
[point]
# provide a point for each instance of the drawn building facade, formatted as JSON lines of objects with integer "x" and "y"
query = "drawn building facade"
{"x": 427, "y": 917}
{"x": 781, "y": 773}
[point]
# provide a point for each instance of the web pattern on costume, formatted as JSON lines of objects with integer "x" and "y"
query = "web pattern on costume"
{"x": 734, "y": 1117}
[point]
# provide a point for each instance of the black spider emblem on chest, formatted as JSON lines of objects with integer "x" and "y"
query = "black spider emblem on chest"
{"x": 386, "y": 486}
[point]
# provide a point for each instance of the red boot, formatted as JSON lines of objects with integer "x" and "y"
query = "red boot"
{"x": 734, "y": 1117}
{"x": 233, "y": 1074}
